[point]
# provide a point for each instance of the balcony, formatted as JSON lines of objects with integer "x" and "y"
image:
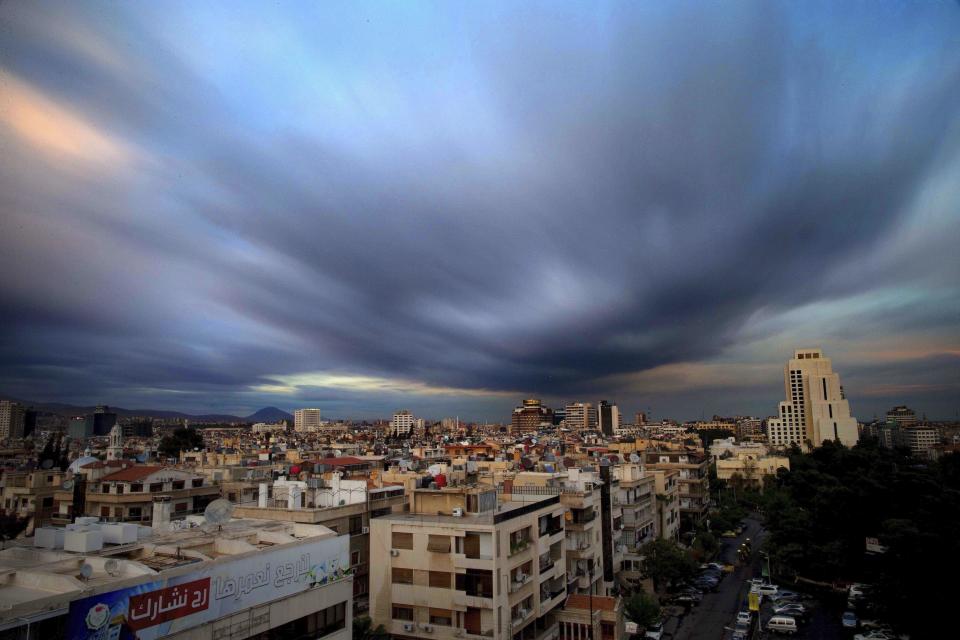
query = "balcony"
{"x": 518, "y": 547}
{"x": 546, "y": 565}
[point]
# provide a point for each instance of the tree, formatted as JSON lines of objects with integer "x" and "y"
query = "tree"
{"x": 363, "y": 629}
{"x": 642, "y": 608}
{"x": 664, "y": 562}
{"x": 11, "y": 526}
{"x": 182, "y": 439}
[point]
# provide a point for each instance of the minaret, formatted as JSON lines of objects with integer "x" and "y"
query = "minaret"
{"x": 115, "y": 450}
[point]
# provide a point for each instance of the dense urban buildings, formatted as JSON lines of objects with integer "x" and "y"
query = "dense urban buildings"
{"x": 815, "y": 409}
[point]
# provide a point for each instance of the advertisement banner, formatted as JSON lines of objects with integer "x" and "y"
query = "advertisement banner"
{"x": 161, "y": 607}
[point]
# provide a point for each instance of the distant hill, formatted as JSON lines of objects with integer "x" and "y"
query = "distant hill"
{"x": 269, "y": 414}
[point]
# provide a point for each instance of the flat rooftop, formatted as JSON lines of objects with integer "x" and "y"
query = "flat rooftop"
{"x": 506, "y": 510}
{"x": 34, "y": 580}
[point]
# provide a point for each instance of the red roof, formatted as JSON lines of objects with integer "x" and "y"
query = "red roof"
{"x": 580, "y": 601}
{"x": 345, "y": 461}
{"x": 132, "y": 473}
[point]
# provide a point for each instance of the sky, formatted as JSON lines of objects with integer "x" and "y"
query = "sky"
{"x": 448, "y": 207}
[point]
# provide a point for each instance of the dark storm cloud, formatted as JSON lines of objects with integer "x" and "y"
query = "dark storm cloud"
{"x": 533, "y": 200}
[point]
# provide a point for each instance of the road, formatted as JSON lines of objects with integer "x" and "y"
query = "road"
{"x": 717, "y": 610}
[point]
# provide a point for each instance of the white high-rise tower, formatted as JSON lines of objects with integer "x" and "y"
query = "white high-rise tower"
{"x": 816, "y": 409}
{"x": 306, "y": 420}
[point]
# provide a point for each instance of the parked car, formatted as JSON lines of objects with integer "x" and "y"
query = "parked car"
{"x": 790, "y": 610}
{"x": 765, "y": 589}
{"x": 728, "y": 534}
{"x": 787, "y": 595}
{"x": 857, "y": 590}
{"x": 745, "y": 617}
{"x": 655, "y": 632}
{"x": 849, "y": 620}
{"x": 687, "y": 598}
{"x": 782, "y": 624}
{"x": 873, "y": 624}
{"x": 874, "y": 635}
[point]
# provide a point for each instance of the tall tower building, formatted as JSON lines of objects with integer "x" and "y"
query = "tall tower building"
{"x": 530, "y": 416}
{"x": 581, "y": 416}
{"x": 115, "y": 450}
{"x": 402, "y": 423}
{"x": 11, "y": 419}
{"x": 306, "y": 420}
{"x": 609, "y": 418}
{"x": 816, "y": 409}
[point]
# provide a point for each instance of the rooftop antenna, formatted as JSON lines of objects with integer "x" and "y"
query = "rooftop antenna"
{"x": 218, "y": 512}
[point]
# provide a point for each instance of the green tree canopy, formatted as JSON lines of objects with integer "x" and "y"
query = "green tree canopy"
{"x": 182, "y": 439}
{"x": 642, "y": 608}
{"x": 665, "y": 562}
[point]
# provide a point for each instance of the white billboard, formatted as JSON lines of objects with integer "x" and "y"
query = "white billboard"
{"x": 168, "y": 605}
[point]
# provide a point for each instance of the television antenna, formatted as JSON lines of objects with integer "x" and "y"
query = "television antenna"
{"x": 218, "y": 512}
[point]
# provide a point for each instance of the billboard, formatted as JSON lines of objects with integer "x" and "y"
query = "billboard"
{"x": 158, "y": 608}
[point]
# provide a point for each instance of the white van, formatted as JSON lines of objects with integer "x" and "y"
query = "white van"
{"x": 782, "y": 624}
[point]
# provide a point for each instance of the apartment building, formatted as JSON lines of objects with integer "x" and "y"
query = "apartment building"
{"x": 920, "y": 439}
{"x": 11, "y": 420}
{"x": 346, "y": 507}
{"x": 636, "y": 496}
{"x": 125, "y": 494}
{"x": 402, "y": 424}
{"x": 667, "y": 500}
{"x": 306, "y": 420}
{"x": 465, "y": 563}
{"x": 692, "y": 478}
{"x": 580, "y": 416}
{"x": 589, "y": 617}
{"x": 30, "y": 493}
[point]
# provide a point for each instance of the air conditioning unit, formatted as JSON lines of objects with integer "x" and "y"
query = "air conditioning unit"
{"x": 428, "y": 628}
{"x": 394, "y": 553}
{"x": 365, "y": 530}
{"x": 523, "y": 613}
{"x": 457, "y": 512}
{"x": 520, "y": 576}
{"x": 408, "y": 626}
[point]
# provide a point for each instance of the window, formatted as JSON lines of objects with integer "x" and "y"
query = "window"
{"x": 178, "y": 484}
{"x": 105, "y": 488}
{"x": 119, "y": 489}
{"x": 180, "y": 507}
{"x": 156, "y": 487}
{"x": 330, "y": 619}
{"x": 439, "y": 544}
{"x": 354, "y": 558}
{"x": 440, "y": 579}
{"x": 196, "y": 482}
{"x": 442, "y": 617}
{"x": 403, "y": 613}
{"x": 136, "y": 487}
{"x": 402, "y": 576}
{"x": 134, "y": 513}
{"x": 402, "y": 540}
{"x": 356, "y": 525}
{"x": 48, "y": 502}
{"x": 104, "y": 512}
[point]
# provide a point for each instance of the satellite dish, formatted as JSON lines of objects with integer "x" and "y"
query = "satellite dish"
{"x": 86, "y": 571}
{"x": 634, "y": 457}
{"x": 218, "y": 512}
{"x": 47, "y": 464}
{"x": 67, "y": 485}
{"x": 112, "y": 567}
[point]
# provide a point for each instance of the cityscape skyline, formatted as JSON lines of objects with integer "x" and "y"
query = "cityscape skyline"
{"x": 450, "y": 209}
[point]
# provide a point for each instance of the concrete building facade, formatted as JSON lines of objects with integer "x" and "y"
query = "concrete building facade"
{"x": 815, "y": 409}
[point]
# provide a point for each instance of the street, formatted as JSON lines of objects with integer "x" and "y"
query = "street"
{"x": 717, "y": 610}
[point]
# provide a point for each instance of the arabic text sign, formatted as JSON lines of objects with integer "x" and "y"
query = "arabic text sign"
{"x": 171, "y": 603}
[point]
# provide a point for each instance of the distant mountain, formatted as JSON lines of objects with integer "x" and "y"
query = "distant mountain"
{"x": 269, "y": 414}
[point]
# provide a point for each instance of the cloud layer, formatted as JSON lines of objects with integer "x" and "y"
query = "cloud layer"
{"x": 450, "y": 206}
